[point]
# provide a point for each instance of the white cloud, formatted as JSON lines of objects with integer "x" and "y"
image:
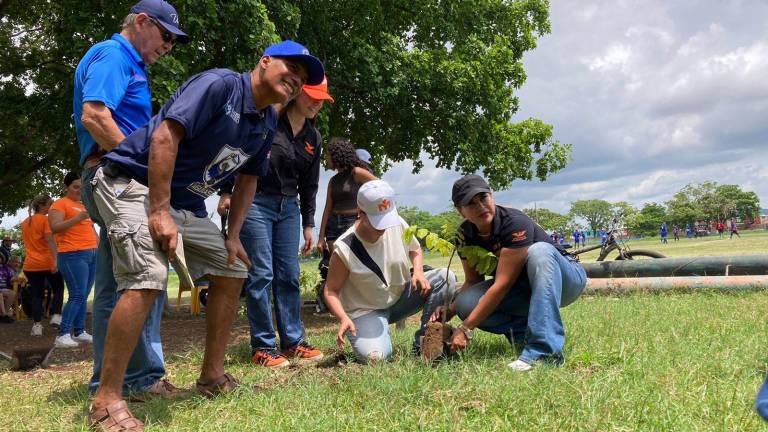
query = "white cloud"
{"x": 615, "y": 58}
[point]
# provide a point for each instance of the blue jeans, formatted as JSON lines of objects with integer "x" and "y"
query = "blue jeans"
{"x": 761, "y": 404}
{"x": 533, "y": 317}
{"x": 77, "y": 268}
{"x": 146, "y": 365}
{"x": 270, "y": 235}
{"x": 372, "y": 341}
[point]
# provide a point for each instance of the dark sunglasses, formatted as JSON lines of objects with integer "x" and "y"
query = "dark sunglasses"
{"x": 167, "y": 36}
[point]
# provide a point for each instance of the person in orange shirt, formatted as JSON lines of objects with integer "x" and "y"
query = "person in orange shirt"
{"x": 76, "y": 242}
{"x": 40, "y": 263}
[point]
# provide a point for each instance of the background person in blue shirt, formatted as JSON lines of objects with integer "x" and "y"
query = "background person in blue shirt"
{"x": 663, "y": 232}
{"x": 152, "y": 188}
{"x": 112, "y": 99}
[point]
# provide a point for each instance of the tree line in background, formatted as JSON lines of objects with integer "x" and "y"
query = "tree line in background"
{"x": 410, "y": 79}
{"x": 708, "y": 202}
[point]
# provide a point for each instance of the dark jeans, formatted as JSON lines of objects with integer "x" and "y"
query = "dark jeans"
{"x": 37, "y": 280}
{"x": 337, "y": 225}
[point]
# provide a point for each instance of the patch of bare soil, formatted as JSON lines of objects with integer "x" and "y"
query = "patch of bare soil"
{"x": 435, "y": 337}
{"x": 180, "y": 332}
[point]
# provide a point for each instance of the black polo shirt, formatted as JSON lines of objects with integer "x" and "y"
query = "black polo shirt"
{"x": 511, "y": 228}
{"x": 294, "y": 166}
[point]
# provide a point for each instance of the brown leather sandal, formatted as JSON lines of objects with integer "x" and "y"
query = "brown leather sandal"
{"x": 161, "y": 389}
{"x": 222, "y": 385}
{"x": 115, "y": 417}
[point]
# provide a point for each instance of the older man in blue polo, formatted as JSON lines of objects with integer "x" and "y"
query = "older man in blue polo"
{"x": 112, "y": 99}
{"x": 150, "y": 192}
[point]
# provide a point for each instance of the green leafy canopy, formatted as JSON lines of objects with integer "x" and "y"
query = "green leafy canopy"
{"x": 433, "y": 77}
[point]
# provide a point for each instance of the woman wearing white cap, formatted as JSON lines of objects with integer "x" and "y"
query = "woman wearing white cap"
{"x": 369, "y": 283}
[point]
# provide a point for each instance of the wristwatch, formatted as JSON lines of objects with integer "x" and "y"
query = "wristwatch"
{"x": 467, "y": 332}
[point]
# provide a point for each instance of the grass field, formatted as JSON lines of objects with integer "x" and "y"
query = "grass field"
{"x": 672, "y": 362}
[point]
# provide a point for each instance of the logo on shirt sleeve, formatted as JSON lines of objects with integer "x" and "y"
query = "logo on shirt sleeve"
{"x": 232, "y": 113}
{"x": 226, "y": 163}
{"x": 519, "y": 236}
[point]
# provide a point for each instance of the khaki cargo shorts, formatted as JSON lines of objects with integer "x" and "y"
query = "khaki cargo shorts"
{"x": 138, "y": 261}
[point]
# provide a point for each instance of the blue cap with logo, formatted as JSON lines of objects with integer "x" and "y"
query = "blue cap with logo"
{"x": 165, "y": 14}
{"x": 315, "y": 69}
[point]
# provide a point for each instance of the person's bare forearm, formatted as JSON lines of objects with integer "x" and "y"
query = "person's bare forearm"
{"x": 417, "y": 260}
{"x": 337, "y": 275}
{"x": 334, "y": 305}
{"x": 97, "y": 120}
{"x": 240, "y": 202}
{"x": 162, "y": 159}
{"x": 485, "y": 307}
{"x": 326, "y": 214}
{"x": 59, "y": 224}
{"x": 52, "y": 246}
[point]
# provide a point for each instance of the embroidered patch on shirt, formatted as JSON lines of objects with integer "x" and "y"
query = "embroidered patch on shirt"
{"x": 519, "y": 236}
{"x": 309, "y": 148}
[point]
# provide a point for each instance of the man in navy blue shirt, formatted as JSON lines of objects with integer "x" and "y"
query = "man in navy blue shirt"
{"x": 112, "y": 99}
{"x": 153, "y": 186}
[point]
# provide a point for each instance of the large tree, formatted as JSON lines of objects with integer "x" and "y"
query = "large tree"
{"x": 433, "y": 77}
{"x": 712, "y": 202}
{"x": 596, "y": 212}
{"x": 648, "y": 220}
{"x": 731, "y": 201}
{"x": 549, "y": 220}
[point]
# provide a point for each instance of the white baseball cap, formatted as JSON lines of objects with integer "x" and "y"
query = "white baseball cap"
{"x": 377, "y": 199}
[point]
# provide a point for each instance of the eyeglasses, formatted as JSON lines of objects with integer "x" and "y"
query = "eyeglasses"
{"x": 167, "y": 36}
{"x": 479, "y": 200}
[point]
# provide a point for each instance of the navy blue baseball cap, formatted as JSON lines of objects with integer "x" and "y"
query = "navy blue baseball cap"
{"x": 165, "y": 14}
{"x": 315, "y": 69}
{"x": 465, "y": 188}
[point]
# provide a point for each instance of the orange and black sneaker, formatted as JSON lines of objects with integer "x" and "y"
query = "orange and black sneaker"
{"x": 304, "y": 352}
{"x": 269, "y": 358}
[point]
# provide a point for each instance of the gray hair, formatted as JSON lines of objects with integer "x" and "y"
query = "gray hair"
{"x": 129, "y": 20}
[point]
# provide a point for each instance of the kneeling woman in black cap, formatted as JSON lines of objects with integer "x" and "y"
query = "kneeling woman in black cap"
{"x": 532, "y": 280}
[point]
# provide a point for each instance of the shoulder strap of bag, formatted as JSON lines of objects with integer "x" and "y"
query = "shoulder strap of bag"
{"x": 357, "y": 248}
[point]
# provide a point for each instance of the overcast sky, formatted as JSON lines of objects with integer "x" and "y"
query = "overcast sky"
{"x": 652, "y": 95}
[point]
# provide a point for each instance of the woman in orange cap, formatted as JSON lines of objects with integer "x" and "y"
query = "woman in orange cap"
{"x": 285, "y": 201}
